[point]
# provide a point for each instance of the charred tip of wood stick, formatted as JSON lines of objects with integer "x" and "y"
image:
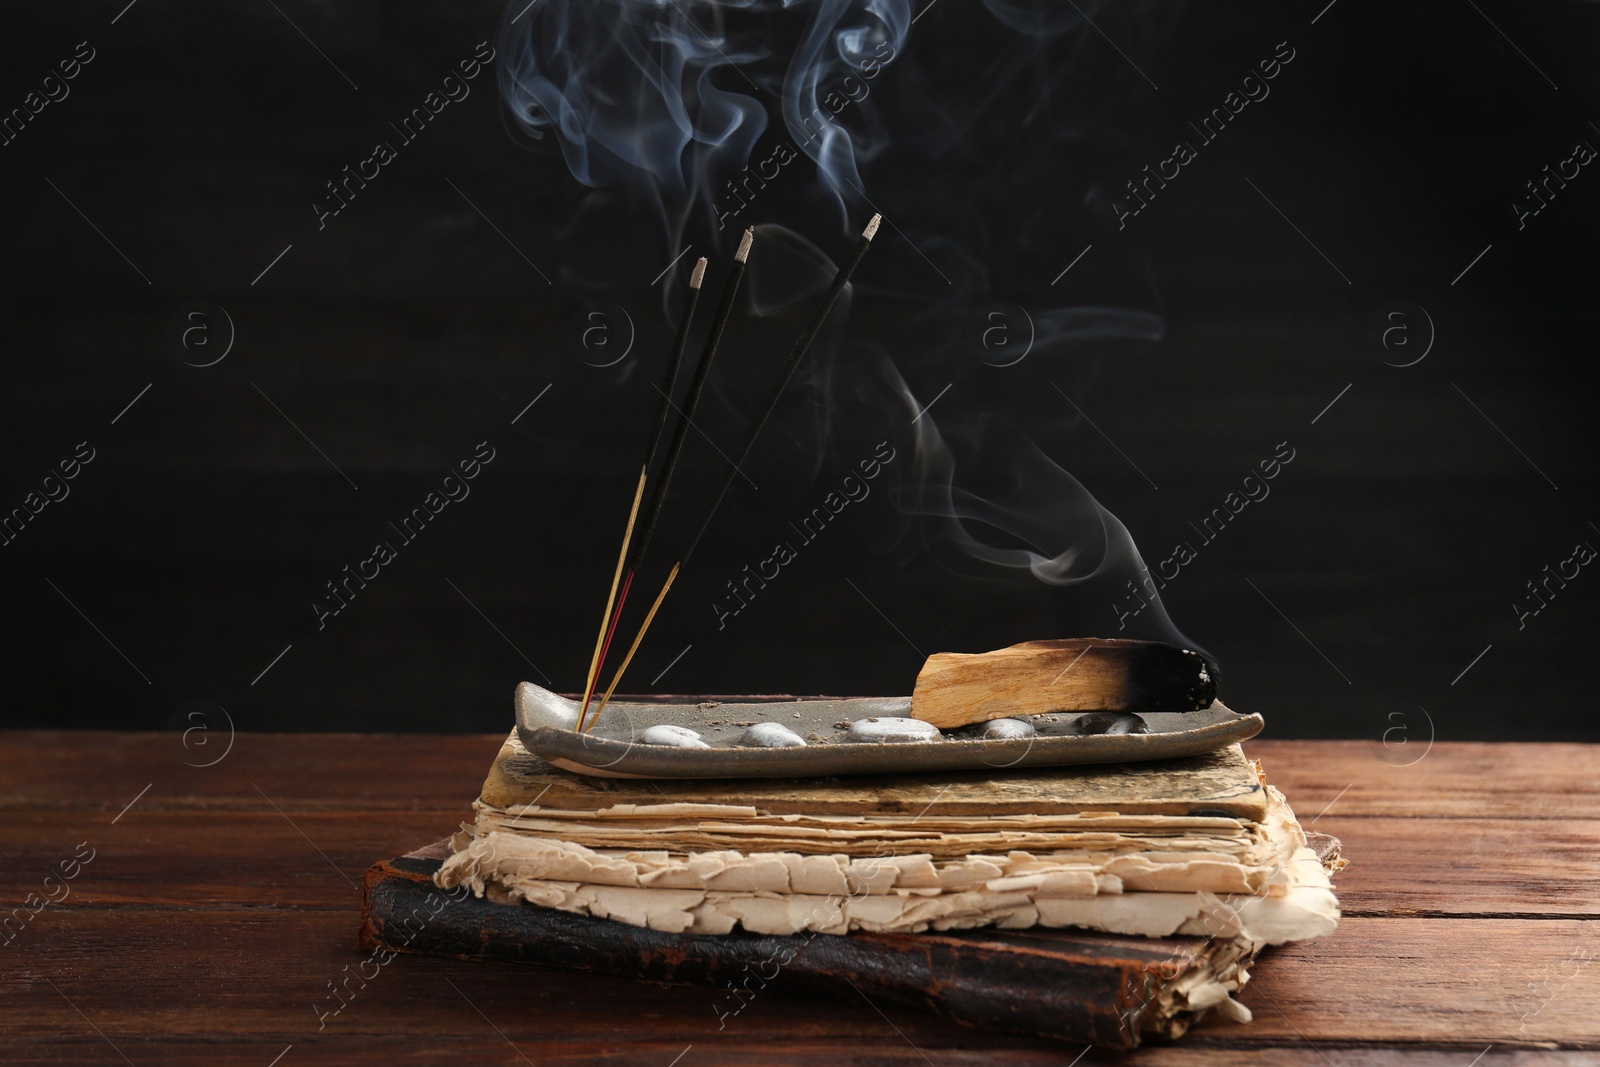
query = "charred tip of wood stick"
{"x": 744, "y": 245}
{"x": 872, "y": 227}
{"x": 699, "y": 274}
{"x": 1165, "y": 678}
{"x": 1062, "y": 675}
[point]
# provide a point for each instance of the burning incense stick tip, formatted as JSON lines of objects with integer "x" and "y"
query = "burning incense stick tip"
{"x": 872, "y": 227}
{"x": 699, "y": 274}
{"x": 744, "y": 245}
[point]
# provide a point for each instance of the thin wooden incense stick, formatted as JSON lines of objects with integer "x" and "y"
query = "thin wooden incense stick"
{"x": 691, "y": 401}
{"x": 680, "y": 431}
{"x": 796, "y": 354}
{"x": 594, "y": 658}
{"x": 608, "y": 622}
{"x": 674, "y": 367}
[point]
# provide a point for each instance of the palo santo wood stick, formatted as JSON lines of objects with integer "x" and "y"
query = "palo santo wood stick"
{"x": 1075, "y": 674}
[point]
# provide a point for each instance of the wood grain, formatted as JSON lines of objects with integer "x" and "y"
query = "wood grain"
{"x": 887, "y": 1050}
{"x": 208, "y": 922}
{"x": 1447, "y": 778}
{"x": 99, "y": 770}
{"x": 189, "y": 858}
{"x": 1400, "y": 867}
{"x": 1377, "y": 981}
{"x": 1467, "y": 867}
{"x": 1449, "y": 981}
{"x": 1071, "y": 674}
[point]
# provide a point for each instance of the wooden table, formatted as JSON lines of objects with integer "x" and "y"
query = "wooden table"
{"x": 220, "y": 901}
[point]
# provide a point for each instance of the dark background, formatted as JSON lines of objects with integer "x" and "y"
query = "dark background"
{"x": 1350, "y": 603}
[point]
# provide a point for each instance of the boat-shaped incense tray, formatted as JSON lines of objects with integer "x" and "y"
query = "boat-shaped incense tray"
{"x": 852, "y": 735}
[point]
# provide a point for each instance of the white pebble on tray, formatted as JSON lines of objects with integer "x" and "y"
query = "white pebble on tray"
{"x": 892, "y": 728}
{"x": 771, "y": 735}
{"x": 674, "y": 736}
{"x": 1007, "y": 729}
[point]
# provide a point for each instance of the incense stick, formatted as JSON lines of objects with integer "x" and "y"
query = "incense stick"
{"x": 594, "y": 658}
{"x": 691, "y": 401}
{"x": 796, "y": 354}
{"x": 608, "y": 621}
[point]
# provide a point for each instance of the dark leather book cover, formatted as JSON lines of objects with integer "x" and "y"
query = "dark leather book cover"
{"x": 1106, "y": 989}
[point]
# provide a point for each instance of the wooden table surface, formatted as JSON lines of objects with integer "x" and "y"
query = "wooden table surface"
{"x": 221, "y": 900}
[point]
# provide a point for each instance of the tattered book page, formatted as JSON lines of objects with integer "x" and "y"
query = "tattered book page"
{"x": 1222, "y": 781}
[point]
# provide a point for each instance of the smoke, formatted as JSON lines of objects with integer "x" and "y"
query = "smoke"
{"x": 669, "y": 98}
{"x": 625, "y": 90}
{"x": 974, "y": 493}
{"x": 722, "y": 113}
{"x": 1009, "y": 506}
{"x": 842, "y": 51}
{"x": 1033, "y": 515}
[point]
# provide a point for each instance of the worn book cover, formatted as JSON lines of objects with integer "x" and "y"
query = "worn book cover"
{"x": 1110, "y": 990}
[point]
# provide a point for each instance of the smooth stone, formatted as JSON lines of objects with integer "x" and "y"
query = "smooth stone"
{"x": 771, "y": 735}
{"x": 892, "y": 729}
{"x": 1007, "y": 729}
{"x": 1112, "y": 722}
{"x": 673, "y": 736}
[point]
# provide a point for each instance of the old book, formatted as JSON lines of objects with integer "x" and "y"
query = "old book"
{"x": 1107, "y": 989}
{"x": 1200, "y": 845}
{"x": 1222, "y": 780}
